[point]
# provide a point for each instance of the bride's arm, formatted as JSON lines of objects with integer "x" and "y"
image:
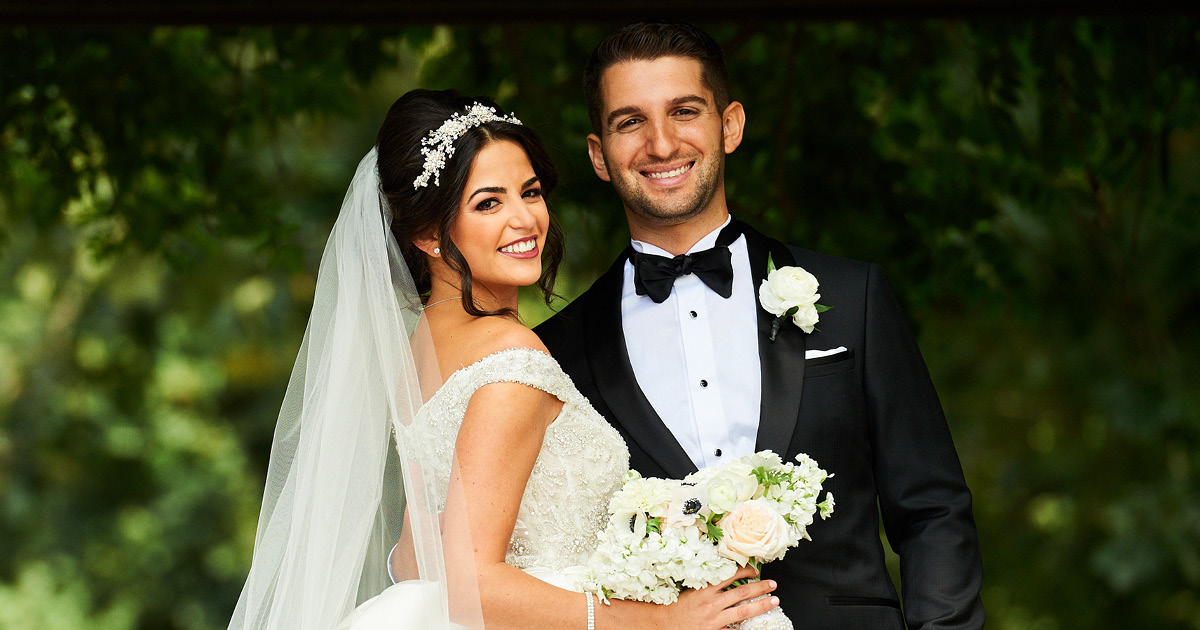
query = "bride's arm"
{"x": 497, "y": 446}
{"x": 402, "y": 559}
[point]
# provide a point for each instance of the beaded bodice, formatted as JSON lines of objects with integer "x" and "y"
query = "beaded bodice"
{"x": 582, "y": 461}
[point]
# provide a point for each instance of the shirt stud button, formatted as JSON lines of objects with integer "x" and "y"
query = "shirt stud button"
{"x": 693, "y": 314}
{"x": 703, "y": 383}
{"x": 717, "y": 453}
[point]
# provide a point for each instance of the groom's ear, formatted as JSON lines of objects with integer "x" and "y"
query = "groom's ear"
{"x": 733, "y": 123}
{"x": 597, "y": 157}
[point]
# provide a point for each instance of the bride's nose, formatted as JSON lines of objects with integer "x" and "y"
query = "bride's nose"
{"x": 521, "y": 216}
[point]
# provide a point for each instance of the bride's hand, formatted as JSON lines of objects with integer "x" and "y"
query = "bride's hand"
{"x": 713, "y": 607}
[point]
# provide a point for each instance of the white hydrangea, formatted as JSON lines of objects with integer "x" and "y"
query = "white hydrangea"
{"x": 642, "y": 495}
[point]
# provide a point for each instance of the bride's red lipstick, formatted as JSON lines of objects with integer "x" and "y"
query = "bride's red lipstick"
{"x": 532, "y": 253}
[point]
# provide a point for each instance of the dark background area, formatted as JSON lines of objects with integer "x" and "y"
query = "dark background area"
{"x": 377, "y": 12}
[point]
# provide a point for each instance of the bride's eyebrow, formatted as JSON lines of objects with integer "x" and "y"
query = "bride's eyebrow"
{"x": 499, "y": 190}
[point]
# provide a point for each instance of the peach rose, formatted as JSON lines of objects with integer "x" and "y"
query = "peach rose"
{"x": 753, "y": 530}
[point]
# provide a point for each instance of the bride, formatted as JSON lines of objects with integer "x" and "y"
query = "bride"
{"x": 500, "y": 474}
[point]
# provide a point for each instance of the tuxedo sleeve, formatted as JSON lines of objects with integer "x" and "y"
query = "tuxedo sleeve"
{"x": 923, "y": 497}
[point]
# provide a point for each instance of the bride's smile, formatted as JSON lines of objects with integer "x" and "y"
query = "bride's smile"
{"x": 523, "y": 248}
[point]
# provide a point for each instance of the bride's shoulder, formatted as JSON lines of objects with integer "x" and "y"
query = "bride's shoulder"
{"x": 505, "y": 366}
{"x": 491, "y": 335}
{"x": 508, "y": 355}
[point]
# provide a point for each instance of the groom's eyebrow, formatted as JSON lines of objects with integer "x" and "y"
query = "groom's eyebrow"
{"x": 619, "y": 112}
{"x": 690, "y": 99}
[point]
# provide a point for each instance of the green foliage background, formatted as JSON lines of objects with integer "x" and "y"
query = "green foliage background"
{"x": 1030, "y": 185}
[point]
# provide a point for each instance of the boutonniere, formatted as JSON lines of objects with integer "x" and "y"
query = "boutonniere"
{"x": 791, "y": 292}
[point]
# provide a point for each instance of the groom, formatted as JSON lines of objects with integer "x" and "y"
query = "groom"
{"x": 685, "y": 368}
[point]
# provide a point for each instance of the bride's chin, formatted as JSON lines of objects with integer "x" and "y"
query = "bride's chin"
{"x": 507, "y": 286}
{"x": 524, "y": 280}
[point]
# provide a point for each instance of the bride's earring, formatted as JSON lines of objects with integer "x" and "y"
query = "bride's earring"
{"x": 437, "y": 251}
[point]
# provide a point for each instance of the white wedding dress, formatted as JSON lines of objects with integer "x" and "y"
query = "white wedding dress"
{"x": 582, "y": 461}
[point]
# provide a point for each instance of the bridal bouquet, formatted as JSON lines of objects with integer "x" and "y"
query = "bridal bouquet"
{"x": 665, "y": 535}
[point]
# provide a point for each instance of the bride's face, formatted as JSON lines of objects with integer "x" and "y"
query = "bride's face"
{"x": 502, "y": 219}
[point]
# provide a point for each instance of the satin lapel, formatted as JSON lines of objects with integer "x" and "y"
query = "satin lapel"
{"x": 782, "y": 360}
{"x": 609, "y": 360}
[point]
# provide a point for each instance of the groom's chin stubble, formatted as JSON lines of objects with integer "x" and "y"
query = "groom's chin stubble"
{"x": 638, "y": 204}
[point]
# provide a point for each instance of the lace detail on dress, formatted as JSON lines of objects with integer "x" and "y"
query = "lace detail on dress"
{"x": 582, "y": 461}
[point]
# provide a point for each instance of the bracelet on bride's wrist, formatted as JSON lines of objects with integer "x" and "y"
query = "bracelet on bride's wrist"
{"x": 591, "y": 612}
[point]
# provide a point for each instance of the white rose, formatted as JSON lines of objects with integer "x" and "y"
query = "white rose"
{"x": 742, "y": 474}
{"x": 753, "y": 530}
{"x": 722, "y": 495}
{"x": 806, "y": 318}
{"x": 733, "y": 484}
{"x": 788, "y": 287}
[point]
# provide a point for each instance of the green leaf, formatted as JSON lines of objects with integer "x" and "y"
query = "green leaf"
{"x": 769, "y": 477}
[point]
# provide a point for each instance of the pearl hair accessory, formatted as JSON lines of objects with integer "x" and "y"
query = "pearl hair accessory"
{"x": 439, "y": 145}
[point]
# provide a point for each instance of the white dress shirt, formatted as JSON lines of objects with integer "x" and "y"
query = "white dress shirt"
{"x": 695, "y": 356}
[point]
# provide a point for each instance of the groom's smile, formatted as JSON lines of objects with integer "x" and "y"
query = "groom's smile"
{"x": 668, "y": 175}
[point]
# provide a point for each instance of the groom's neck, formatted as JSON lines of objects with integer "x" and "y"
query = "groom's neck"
{"x": 676, "y": 238}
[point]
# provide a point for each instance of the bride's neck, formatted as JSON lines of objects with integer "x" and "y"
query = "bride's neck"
{"x": 457, "y": 335}
{"x": 485, "y": 297}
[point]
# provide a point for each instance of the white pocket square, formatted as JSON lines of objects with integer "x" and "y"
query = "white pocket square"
{"x": 816, "y": 354}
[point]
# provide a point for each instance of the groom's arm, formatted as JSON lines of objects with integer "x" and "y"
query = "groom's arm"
{"x": 923, "y": 496}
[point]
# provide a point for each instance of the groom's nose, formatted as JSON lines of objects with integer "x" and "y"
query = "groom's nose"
{"x": 661, "y": 138}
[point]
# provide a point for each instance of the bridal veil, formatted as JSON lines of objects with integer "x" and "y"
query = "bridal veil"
{"x": 337, "y": 493}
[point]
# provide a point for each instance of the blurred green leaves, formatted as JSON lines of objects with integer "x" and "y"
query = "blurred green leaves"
{"x": 1030, "y": 186}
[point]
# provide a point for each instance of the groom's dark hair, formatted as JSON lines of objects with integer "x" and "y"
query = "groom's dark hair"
{"x": 650, "y": 40}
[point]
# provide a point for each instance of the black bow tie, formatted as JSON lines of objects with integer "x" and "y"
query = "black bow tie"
{"x": 655, "y": 275}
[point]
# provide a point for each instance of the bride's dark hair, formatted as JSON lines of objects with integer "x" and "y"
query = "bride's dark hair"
{"x": 417, "y": 212}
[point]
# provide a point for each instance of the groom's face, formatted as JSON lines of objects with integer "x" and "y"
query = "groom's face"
{"x": 662, "y": 141}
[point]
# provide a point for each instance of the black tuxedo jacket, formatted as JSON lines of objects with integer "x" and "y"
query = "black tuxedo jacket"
{"x": 870, "y": 416}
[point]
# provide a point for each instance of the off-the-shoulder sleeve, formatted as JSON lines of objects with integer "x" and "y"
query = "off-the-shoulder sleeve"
{"x": 522, "y": 365}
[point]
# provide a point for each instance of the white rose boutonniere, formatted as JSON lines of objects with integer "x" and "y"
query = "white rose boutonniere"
{"x": 791, "y": 292}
